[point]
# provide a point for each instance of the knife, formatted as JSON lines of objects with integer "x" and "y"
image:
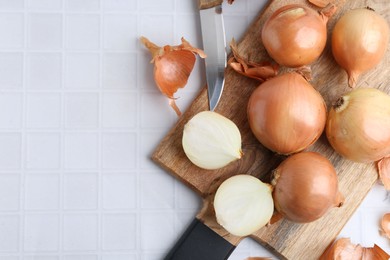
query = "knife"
{"x": 214, "y": 45}
{"x": 199, "y": 241}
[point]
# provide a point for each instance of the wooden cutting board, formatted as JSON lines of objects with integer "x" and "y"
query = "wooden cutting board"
{"x": 284, "y": 238}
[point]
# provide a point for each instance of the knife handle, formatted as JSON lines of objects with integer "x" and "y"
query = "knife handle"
{"x": 200, "y": 242}
{"x": 205, "y": 4}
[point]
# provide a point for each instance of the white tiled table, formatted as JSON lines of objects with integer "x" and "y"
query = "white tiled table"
{"x": 79, "y": 118}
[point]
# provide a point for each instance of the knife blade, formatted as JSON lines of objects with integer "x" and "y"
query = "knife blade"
{"x": 214, "y": 45}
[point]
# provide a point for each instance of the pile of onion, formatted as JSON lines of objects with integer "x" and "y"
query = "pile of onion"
{"x": 359, "y": 41}
{"x": 295, "y": 35}
{"x": 358, "y": 125}
{"x": 286, "y": 114}
{"x": 305, "y": 187}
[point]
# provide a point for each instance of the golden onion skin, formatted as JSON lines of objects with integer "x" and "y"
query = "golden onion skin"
{"x": 286, "y": 114}
{"x": 305, "y": 187}
{"x": 295, "y": 35}
{"x": 358, "y": 125}
{"x": 359, "y": 41}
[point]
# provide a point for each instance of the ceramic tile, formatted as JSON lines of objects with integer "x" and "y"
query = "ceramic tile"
{"x": 80, "y": 257}
{"x": 43, "y": 151}
{"x": 157, "y": 191}
{"x": 118, "y": 232}
{"x": 81, "y": 110}
{"x": 158, "y": 230}
{"x": 119, "y": 191}
{"x": 82, "y": 31}
{"x": 119, "y": 71}
{"x": 44, "y": 71}
{"x": 11, "y": 110}
{"x": 119, "y": 110}
{"x": 120, "y": 32}
{"x": 9, "y": 192}
{"x": 10, "y": 151}
{"x": 11, "y": 70}
{"x": 9, "y": 233}
{"x": 11, "y": 4}
{"x": 44, "y": 4}
{"x": 163, "y": 6}
{"x": 85, "y": 5}
{"x": 120, "y": 5}
{"x": 41, "y": 232}
{"x": 81, "y": 151}
{"x": 82, "y": 70}
{"x": 11, "y": 30}
{"x": 43, "y": 110}
{"x": 42, "y": 192}
{"x": 80, "y": 191}
{"x": 119, "y": 151}
{"x": 45, "y": 31}
{"x": 80, "y": 232}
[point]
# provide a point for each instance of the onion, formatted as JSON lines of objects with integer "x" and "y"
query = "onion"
{"x": 295, "y": 35}
{"x": 343, "y": 249}
{"x": 358, "y": 125}
{"x": 385, "y": 225}
{"x": 359, "y": 41}
{"x": 243, "y": 204}
{"x": 286, "y": 114}
{"x": 172, "y": 66}
{"x": 211, "y": 141}
{"x": 305, "y": 187}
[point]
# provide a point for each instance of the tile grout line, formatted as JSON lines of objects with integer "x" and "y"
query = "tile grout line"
{"x": 138, "y": 171}
{"x": 62, "y": 128}
{"x": 23, "y": 156}
{"x": 100, "y": 123}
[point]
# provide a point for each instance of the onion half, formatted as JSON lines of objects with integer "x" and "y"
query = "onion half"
{"x": 243, "y": 204}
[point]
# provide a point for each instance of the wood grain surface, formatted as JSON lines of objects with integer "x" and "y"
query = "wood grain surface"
{"x": 286, "y": 239}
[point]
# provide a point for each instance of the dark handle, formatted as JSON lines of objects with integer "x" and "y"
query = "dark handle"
{"x": 200, "y": 242}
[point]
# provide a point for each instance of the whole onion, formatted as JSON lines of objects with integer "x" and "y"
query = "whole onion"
{"x": 359, "y": 41}
{"x": 295, "y": 35}
{"x": 358, "y": 125}
{"x": 286, "y": 114}
{"x": 305, "y": 187}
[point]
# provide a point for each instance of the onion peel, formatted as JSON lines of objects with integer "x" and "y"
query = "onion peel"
{"x": 172, "y": 66}
{"x": 343, "y": 249}
{"x": 243, "y": 66}
{"x": 320, "y": 3}
{"x": 385, "y": 226}
{"x": 383, "y": 166}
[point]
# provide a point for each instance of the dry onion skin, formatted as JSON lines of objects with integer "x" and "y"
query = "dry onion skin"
{"x": 358, "y": 125}
{"x": 343, "y": 249}
{"x": 321, "y": 3}
{"x": 295, "y": 35}
{"x": 172, "y": 66}
{"x": 385, "y": 225}
{"x": 305, "y": 187}
{"x": 383, "y": 166}
{"x": 243, "y": 204}
{"x": 286, "y": 114}
{"x": 359, "y": 41}
{"x": 211, "y": 141}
